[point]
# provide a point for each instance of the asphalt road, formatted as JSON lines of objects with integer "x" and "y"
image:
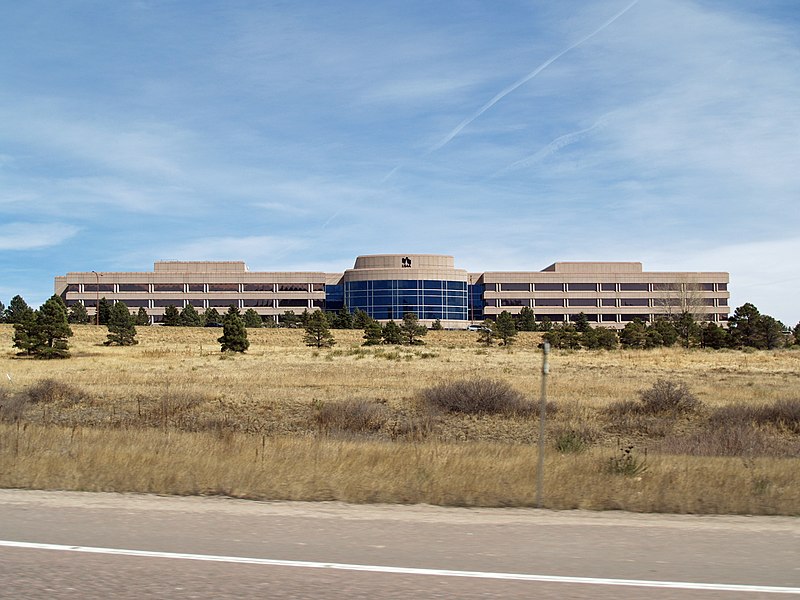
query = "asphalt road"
{"x": 83, "y": 545}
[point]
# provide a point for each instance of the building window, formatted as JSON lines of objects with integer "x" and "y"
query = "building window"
{"x": 582, "y": 287}
{"x": 93, "y": 287}
{"x": 608, "y": 302}
{"x": 608, "y": 287}
{"x": 257, "y": 302}
{"x": 722, "y": 302}
{"x": 223, "y": 303}
{"x": 167, "y": 287}
{"x": 707, "y": 287}
{"x": 197, "y": 287}
{"x": 549, "y": 287}
{"x": 73, "y": 287}
{"x": 629, "y": 318}
{"x": 666, "y": 287}
{"x": 513, "y": 302}
{"x": 196, "y": 302}
{"x": 223, "y": 287}
{"x": 317, "y": 287}
{"x": 722, "y": 287}
{"x": 515, "y": 287}
{"x": 292, "y": 287}
{"x": 582, "y": 302}
{"x": 611, "y": 318}
{"x": 634, "y": 302}
{"x": 589, "y": 317}
{"x": 549, "y": 302}
{"x": 135, "y": 303}
{"x": 160, "y": 303}
{"x": 133, "y": 287}
{"x": 634, "y": 287}
{"x": 293, "y": 303}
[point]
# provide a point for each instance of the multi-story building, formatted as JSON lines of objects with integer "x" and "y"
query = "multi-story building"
{"x": 386, "y": 286}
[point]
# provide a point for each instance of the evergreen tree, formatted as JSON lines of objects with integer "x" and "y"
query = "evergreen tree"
{"x": 25, "y": 334}
{"x": 78, "y": 314}
{"x": 634, "y": 335}
{"x": 505, "y": 328}
{"x": 104, "y": 310}
{"x": 172, "y": 318}
{"x": 2, "y": 313}
{"x": 687, "y": 328}
{"x": 18, "y": 311}
{"x": 211, "y": 317}
{"x": 714, "y": 336}
{"x": 234, "y": 334}
{"x": 743, "y": 326}
{"x": 233, "y": 310}
{"x": 486, "y": 333}
{"x": 772, "y": 333}
{"x": 666, "y": 330}
{"x": 597, "y": 338}
{"x": 564, "y": 336}
{"x": 189, "y": 317}
{"x": 411, "y": 331}
{"x": 289, "y": 319}
{"x": 796, "y": 332}
{"x": 121, "y": 329}
{"x": 373, "y": 333}
{"x": 317, "y": 332}
{"x": 526, "y": 320}
{"x": 142, "y": 318}
{"x": 581, "y": 322}
{"x": 437, "y": 325}
{"x": 252, "y": 319}
{"x": 361, "y": 319}
{"x": 392, "y": 334}
{"x": 44, "y": 334}
{"x": 342, "y": 319}
{"x": 545, "y": 324}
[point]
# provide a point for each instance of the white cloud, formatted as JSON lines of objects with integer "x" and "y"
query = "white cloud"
{"x": 30, "y": 236}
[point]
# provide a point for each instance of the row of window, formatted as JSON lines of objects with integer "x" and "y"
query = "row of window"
{"x": 287, "y": 303}
{"x": 605, "y": 287}
{"x": 601, "y": 302}
{"x": 391, "y": 299}
{"x": 613, "y": 318}
{"x": 149, "y": 288}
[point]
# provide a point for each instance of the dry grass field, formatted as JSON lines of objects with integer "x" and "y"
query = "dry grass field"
{"x": 284, "y": 421}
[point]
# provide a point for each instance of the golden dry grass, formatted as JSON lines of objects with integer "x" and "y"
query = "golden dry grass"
{"x": 173, "y": 415}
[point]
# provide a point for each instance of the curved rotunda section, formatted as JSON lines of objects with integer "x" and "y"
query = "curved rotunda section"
{"x": 386, "y": 286}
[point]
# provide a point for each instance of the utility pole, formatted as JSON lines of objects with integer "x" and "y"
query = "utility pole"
{"x": 542, "y": 413}
{"x": 96, "y": 298}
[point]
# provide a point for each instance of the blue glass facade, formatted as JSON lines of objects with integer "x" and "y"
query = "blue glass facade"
{"x": 476, "y": 302}
{"x": 391, "y": 299}
{"x": 334, "y": 297}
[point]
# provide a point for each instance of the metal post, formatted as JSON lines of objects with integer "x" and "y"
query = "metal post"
{"x": 542, "y": 412}
{"x": 96, "y": 298}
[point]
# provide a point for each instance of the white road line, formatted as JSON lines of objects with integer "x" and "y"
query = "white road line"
{"x": 682, "y": 585}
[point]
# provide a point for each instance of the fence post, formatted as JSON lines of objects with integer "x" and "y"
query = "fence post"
{"x": 542, "y": 413}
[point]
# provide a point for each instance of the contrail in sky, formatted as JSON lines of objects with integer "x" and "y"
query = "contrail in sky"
{"x": 526, "y": 79}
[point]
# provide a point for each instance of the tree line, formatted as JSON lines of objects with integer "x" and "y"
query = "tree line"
{"x": 43, "y": 333}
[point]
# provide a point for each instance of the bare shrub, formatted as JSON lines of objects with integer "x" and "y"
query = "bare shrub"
{"x": 51, "y": 391}
{"x": 352, "y": 416}
{"x": 475, "y": 397}
{"x": 784, "y": 414}
{"x": 667, "y": 396}
{"x": 733, "y": 439}
{"x": 12, "y": 406}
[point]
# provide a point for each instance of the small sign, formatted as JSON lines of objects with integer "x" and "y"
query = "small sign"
{"x": 406, "y": 262}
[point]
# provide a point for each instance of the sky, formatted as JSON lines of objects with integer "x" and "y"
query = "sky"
{"x": 297, "y": 135}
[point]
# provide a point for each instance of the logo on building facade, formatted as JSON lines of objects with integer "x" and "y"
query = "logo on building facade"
{"x": 406, "y": 262}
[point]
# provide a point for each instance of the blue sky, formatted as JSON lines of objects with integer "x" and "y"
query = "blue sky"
{"x": 297, "y": 135}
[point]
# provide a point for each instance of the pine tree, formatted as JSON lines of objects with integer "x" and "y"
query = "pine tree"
{"x": 796, "y": 332}
{"x": 486, "y": 333}
{"x": 2, "y": 313}
{"x": 545, "y": 324}
{"x": 252, "y": 319}
{"x": 714, "y": 336}
{"x": 317, "y": 332}
{"x": 104, "y": 310}
{"x": 526, "y": 321}
{"x": 437, "y": 325}
{"x": 189, "y": 317}
{"x": 373, "y": 333}
{"x": 391, "y": 333}
{"x": 44, "y": 334}
{"x": 289, "y": 319}
{"x": 121, "y": 329}
{"x": 234, "y": 334}
{"x": 687, "y": 328}
{"x": 172, "y": 318}
{"x": 411, "y": 331}
{"x": 633, "y": 335}
{"x": 342, "y": 319}
{"x": 233, "y": 310}
{"x": 142, "y": 318}
{"x": 596, "y": 338}
{"x": 581, "y": 322}
{"x": 18, "y": 310}
{"x": 505, "y": 328}
{"x": 667, "y": 331}
{"x": 211, "y": 318}
{"x": 78, "y": 314}
{"x": 361, "y": 319}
